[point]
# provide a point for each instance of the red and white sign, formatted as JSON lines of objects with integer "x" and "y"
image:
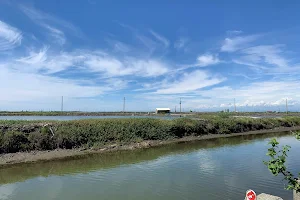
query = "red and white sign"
{"x": 250, "y": 195}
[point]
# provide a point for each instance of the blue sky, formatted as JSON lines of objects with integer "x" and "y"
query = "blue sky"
{"x": 96, "y": 52}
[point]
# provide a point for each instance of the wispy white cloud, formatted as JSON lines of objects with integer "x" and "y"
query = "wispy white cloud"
{"x": 57, "y": 34}
{"x": 102, "y": 63}
{"x": 24, "y": 85}
{"x": 266, "y": 53}
{"x": 245, "y": 76}
{"x": 181, "y": 43}
{"x": 49, "y": 62}
{"x": 256, "y": 67}
{"x": 236, "y": 43}
{"x": 268, "y": 93}
{"x": 39, "y": 16}
{"x": 267, "y": 60}
{"x": 160, "y": 38}
{"x": 35, "y": 57}
{"x": 117, "y": 83}
{"x": 50, "y": 23}
{"x": 263, "y": 59}
{"x": 234, "y": 32}
{"x": 262, "y": 70}
{"x": 106, "y": 64}
{"x": 167, "y": 97}
{"x": 150, "y": 67}
{"x": 10, "y": 37}
{"x": 20, "y": 86}
{"x": 203, "y": 60}
{"x": 150, "y": 86}
{"x": 274, "y": 103}
{"x": 190, "y": 82}
{"x": 119, "y": 47}
{"x": 47, "y": 71}
{"x": 207, "y": 59}
{"x": 129, "y": 66}
{"x": 153, "y": 42}
{"x": 150, "y": 44}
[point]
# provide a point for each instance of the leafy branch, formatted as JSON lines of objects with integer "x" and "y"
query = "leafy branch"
{"x": 277, "y": 161}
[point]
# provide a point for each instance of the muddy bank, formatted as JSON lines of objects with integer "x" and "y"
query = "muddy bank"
{"x": 39, "y": 156}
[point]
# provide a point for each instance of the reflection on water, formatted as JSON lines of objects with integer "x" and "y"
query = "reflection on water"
{"x": 220, "y": 168}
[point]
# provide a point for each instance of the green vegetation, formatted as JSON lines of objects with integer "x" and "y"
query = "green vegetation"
{"x": 277, "y": 161}
{"x": 28, "y": 135}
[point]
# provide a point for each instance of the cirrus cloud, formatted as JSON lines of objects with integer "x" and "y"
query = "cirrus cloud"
{"x": 10, "y": 37}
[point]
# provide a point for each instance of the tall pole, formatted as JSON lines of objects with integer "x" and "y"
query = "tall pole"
{"x": 62, "y": 103}
{"x": 175, "y": 109}
{"x": 234, "y": 105}
{"x": 124, "y": 105}
{"x": 180, "y": 106}
{"x": 286, "y": 106}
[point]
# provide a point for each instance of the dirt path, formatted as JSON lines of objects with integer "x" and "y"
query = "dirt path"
{"x": 34, "y": 156}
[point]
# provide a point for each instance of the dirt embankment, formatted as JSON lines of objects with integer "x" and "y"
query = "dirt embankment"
{"x": 35, "y": 156}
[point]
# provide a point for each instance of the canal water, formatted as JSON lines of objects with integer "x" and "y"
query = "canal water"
{"x": 67, "y": 118}
{"x": 210, "y": 170}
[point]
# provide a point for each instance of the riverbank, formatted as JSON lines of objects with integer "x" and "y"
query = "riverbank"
{"x": 57, "y": 154}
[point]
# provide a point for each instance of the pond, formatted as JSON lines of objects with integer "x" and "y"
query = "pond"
{"x": 66, "y": 118}
{"x": 210, "y": 170}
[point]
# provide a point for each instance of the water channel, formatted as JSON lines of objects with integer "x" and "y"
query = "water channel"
{"x": 210, "y": 170}
{"x": 67, "y": 118}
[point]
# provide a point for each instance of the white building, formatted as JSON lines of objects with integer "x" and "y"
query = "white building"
{"x": 162, "y": 110}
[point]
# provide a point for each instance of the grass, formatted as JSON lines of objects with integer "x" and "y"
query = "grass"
{"x": 32, "y": 135}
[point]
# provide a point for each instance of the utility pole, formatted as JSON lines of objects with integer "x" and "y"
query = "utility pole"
{"x": 62, "y": 103}
{"x": 234, "y": 105}
{"x": 124, "y": 105}
{"x": 286, "y": 106}
{"x": 180, "y": 105}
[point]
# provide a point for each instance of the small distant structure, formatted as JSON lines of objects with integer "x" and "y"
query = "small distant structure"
{"x": 162, "y": 110}
{"x": 226, "y": 110}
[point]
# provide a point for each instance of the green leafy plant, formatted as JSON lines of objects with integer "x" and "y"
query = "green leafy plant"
{"x": 277, "y": 161}
{"x": 29, "y": 135}
{"x": 14, "y": 141}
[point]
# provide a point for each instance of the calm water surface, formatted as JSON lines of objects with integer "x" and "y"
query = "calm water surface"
{"x": 64, "y": 118}
{"x": 208, "y": 170}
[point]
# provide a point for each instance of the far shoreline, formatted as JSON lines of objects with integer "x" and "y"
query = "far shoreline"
{"x": 11, "y": 159}
{"x": 138, "y": 113}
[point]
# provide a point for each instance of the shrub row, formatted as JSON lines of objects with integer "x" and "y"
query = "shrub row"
{"x": 88, "y": 133}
